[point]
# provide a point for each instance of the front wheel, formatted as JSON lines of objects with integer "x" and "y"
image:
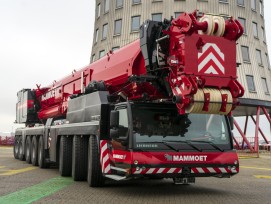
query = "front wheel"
{"x": 21, "y": 150}
{"x": 95, "y": 176}
{"x": 16, "y": 147}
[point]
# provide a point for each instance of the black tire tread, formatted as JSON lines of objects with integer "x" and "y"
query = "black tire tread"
{"x": 41, "y": 154}
{"x": 16, "y": 147}
{"x": 65, "y": 156}
{"x": 34, "y": 152}
{"x": 95, "y": 176}
{"x": 79, "y": 158}
{"x": 28, "y": 150}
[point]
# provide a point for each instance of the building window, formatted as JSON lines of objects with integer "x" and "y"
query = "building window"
{"x": 177, "y": 14}
{"x": 115, "y": 48}
{"x": 106, "y": 6}
{"x": 135, "y": 23}
{"x": 263, "y": 34}
{"x": 224, "y": 1}
{"x": 136, "y": 1}
{"x": 245, "y": 53}
{"x": 255, "y": 29}
{"x": 267, "y": 60}
{"x": 243, "y": 22}
{"x": 93, "y": 58}
{"x": 101, "y": 54}
{"x": 98, "y": 10}
{"x": 253, "y": 5}
{"x": 261, "y": 7}
{"x": 259, "y": 57}
{"x": 97, "y": 36}
{"x": 250, "y": 83}
{"x": 265, "y": 87}
{"x": 119, "y": 3}
{"x": 118, "y": 25}
{"x": 105, "y": 30}
{"x": 157, "y": 17}
{"x": 241, "y": 2}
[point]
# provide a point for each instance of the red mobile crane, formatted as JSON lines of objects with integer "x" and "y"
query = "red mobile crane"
{"x": 158, "y": 107}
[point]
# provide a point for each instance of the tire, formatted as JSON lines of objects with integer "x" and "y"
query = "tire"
{"x": 65, "y": 156}
{"x": 79, "y": 158}
{"x": 21, "y": 150}
{"x": 34, "y": 152}
{"x": 95, "y": 176}
{"x": 41, "y": 155}
{"x": 16, "y": 147}
{"x": 28, "y": 150}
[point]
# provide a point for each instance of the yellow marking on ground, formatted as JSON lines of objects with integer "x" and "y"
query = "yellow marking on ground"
{"x": 262, "y": 176}
{"x": 1, "y": 167}
{"x": 252, "y": 167}
{"x": 17, "y": 171}
{"x": 247, "y": 157}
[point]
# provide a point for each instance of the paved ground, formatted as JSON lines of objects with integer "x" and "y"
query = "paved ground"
{"x": 22, "y": 183}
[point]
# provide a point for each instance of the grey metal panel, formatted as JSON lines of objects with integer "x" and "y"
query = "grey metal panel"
{"x": 88, "y": 128}
{"x": 169, "y": 7}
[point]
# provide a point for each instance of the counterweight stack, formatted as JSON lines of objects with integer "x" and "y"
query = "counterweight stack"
{"x": 190, "y": 60}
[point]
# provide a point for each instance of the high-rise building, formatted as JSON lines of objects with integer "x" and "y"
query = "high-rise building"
{"x": 117, "y": 24}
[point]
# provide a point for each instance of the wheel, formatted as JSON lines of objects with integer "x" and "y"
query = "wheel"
{"x": 28, "y": 150}
{"x": 16, "y": 147}
{"x": 65, "y": 156}
{"x": 79, "y": 158}
{"x": 34, "y": 152}
{"x": 41, "y": 154}
{"x": 95, "y": 176}
{"x": 21, "y": 150}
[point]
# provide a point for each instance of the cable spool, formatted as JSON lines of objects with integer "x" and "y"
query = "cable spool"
{"x": 215, "y": 102}
{"x": 229, "y": 101}
{"x": 197, "y": 106}
{"x": 210, "y": 21}
{"x": 221, "y": 25}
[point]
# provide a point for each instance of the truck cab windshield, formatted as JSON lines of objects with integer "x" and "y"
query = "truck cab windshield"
{"x": 163, "y": 124}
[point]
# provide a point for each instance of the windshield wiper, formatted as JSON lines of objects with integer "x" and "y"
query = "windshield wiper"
{"x": 208, "y": 142}
{"x": 186, "y": 142}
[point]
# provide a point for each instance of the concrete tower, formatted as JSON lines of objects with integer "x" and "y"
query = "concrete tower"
{"x": 117, "y": 24}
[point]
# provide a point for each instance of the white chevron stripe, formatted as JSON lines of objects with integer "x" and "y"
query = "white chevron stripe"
{"x": 207, "y": 59}
{"x": 223, "y": 170}
{"x": 171, "y": 170}
{"x": 150, "y": 171}
{"x": 211, "y": 170}
{"x": 105, "y": 159}
{"x": 200, "y": 170}
{"x": 210, "y": 70}
{"x": 107, "y": 169}
{"x": 103, "y": 148}
{"x": 160, "y": 170}
{"x": 206, "y": 47}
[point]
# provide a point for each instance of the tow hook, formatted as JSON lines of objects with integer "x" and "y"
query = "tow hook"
{"x": 185, "y": 180}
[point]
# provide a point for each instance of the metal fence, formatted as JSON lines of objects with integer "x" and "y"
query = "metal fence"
{"x": 6, "y": 140}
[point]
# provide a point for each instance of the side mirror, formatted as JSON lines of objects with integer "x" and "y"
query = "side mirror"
{"x": 231, "y": 119}
{"x": 114, "y": 133}
{"x": 114, "y": 119}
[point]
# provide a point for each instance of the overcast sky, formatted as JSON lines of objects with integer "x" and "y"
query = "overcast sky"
{"x": 44, "y": 40}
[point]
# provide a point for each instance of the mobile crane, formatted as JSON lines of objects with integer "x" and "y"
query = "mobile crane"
{"x": 159, "y": 107}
